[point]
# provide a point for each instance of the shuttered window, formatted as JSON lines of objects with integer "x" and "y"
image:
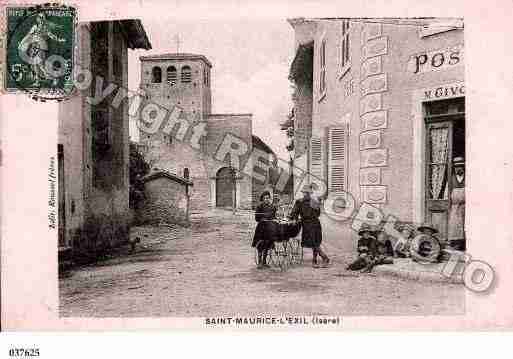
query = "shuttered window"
{"x": 186, "y": 74}
{"x": 171, "y": 75}
{"x": 337, "y": 158}
{"x": 316, "y": 158}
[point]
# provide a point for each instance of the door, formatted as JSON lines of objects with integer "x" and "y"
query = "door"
{"x": 438, "y": 169}
{"x": 224, "y": 188}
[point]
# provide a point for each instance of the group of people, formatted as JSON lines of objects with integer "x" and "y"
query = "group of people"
{"x": 373, "y": 248}
{"x": 305, "y": 213}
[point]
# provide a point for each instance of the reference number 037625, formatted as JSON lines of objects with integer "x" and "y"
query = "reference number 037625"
{"x": 23, "y": 352}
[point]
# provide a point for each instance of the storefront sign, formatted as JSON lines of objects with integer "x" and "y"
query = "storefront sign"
{"x": 446, "y": 91}
{"x": 436, "y": 60}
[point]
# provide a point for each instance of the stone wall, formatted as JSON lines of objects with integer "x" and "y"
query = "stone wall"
{"x": 166, "y": 202}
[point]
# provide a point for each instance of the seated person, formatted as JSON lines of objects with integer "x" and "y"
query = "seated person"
{"x": 385, "y": 243}
{"x": 381, "y": 254}
{"x": 402, "y": 249}
{"x": 365, "y": 246}
{"x": 265, "y": 230}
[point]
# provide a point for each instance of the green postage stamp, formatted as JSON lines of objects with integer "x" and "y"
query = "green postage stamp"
{"x": 39, "y": 47}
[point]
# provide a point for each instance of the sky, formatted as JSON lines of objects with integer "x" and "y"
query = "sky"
{"x": 250, "y": 64}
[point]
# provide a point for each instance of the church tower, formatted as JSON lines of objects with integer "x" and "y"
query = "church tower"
{"x": 182, "y": 80}
{"x": 178, "y": 79}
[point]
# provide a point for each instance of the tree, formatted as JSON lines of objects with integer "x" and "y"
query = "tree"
{"x": 138, "y": 169}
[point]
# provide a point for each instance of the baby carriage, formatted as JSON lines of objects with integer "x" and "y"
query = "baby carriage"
{"x": 282, "y": 240}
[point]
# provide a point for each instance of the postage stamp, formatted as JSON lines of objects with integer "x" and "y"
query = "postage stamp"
{"x": 39, "y": 47}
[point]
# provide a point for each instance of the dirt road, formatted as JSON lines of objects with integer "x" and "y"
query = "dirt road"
{"x": 209, "y": 270}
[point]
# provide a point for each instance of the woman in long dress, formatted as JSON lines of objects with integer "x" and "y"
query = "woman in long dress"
{"x": 308, "y": 210}
{"x": 456, "y": 235}
{"x": 266, "y": 229}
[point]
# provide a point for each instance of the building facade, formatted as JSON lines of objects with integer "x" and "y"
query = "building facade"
{"x": 262, "y": 180}
{"x": 166, "y": 199}
{"x": 93, "y": 149}
{"x": 181, "y": 83}
{"x": 388, "y": 117}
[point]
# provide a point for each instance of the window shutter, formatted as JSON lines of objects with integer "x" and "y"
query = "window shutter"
{"x": 316, "y": 158}
{"x": 337, "y": 158}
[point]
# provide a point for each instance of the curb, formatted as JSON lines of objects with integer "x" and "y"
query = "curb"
{"x": 418, "y": 276}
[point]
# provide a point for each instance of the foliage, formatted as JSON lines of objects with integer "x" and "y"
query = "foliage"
{"x": 138, "y": 169}
{"x": 301, "y": 70}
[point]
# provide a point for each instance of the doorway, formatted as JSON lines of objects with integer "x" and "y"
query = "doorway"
{"x": 224, "y": 187}
{"x": 445, "y": 144}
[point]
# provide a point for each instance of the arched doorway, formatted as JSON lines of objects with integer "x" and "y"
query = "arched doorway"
{"x": 224, "y": 188}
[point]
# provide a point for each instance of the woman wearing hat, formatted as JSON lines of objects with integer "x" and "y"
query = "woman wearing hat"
{"x": 456, "y": 233}
{"x": 263, "y": 239}
{"x": 308, "y": 210}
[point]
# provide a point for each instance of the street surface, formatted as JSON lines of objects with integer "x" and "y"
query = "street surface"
{"x": 209, "y": 270}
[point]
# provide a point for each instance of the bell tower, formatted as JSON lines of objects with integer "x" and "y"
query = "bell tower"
{"x": 178, "y": 79}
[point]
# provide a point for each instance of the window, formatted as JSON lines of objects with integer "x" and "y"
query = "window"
{"x": 171, "y": 75}
{"x": 337, "y": 158}
{"x": 322, "y": 70}
{"x": 186, "y": 173}
{"x": 205, "y": 82}
{"x": 186, "y": 74}
{"x": 156, "y": 75}
{"x": 344, "y": 61}
{"x": 316, "y": 167}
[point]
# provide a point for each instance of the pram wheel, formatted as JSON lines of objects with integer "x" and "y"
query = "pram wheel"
{"x": 296, "y": 251}
{"x": 279, "y": 255}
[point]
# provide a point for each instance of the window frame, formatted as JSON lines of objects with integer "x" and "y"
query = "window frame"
{"x": 153, "y": 77}
{"x": 169, "y": 71}
{"x": 344, "y": 49}
{"x": 322, "y": 73}
{"x": 182, "y": 72}
{"x": 332, "y": 163}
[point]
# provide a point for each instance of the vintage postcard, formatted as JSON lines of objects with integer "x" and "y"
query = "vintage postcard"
{"x": 322, "y": 169}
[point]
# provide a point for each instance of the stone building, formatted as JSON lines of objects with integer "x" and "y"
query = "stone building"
{"x": 387, "y": 117}
{"x": 181, "y": 83}
{"x": 166, "y": 199}
{"x": 93, "y": 150}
